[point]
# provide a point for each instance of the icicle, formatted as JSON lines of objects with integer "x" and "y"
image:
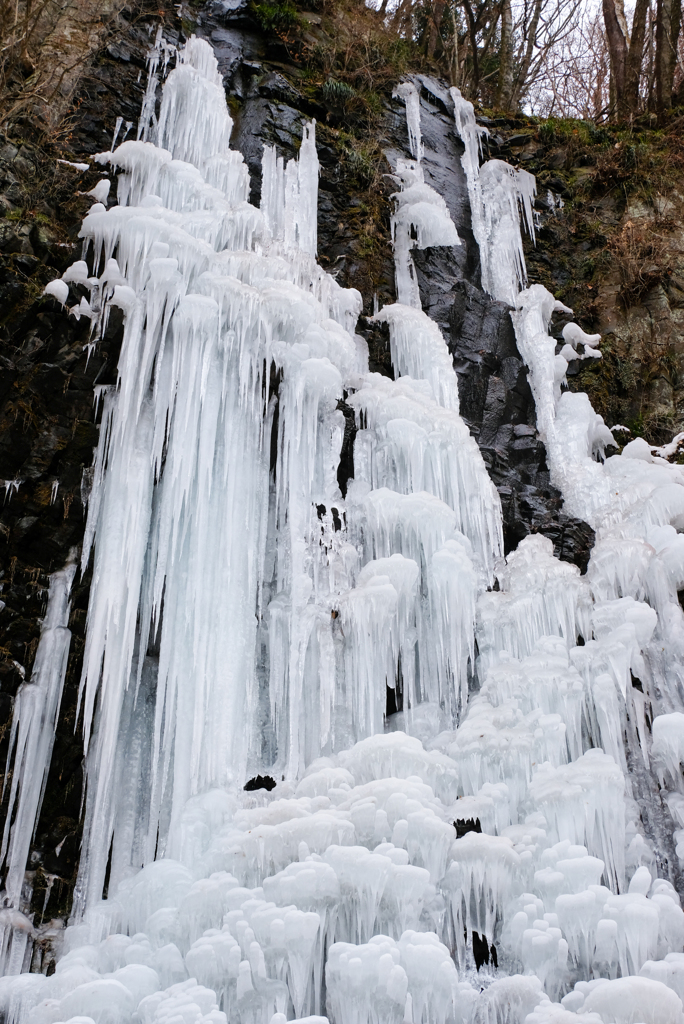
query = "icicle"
{"x": 147, "y": 114}
{"x": 500, "y": 196}
{"x": 419, "y": 351}
{"x": 409, "y": 442}
{"x": 117, "y": 129}
{"x": 471, "y": 135}
{"x": 34, "y": 721}
{"x": 421, "y": 217}
{"x": 409, "y": 94}
{"x": 289, "y": 195}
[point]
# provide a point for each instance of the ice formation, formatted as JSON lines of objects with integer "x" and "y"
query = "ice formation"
{"x": 36, "y": 708}
{"x": 499, "y": 196}
{"x": 247, "y": 616}
{"x": 421, "y": 218}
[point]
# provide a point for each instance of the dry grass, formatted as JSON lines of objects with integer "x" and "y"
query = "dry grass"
{"x": 45, "y": 46}
{"x": 643, "y": 257}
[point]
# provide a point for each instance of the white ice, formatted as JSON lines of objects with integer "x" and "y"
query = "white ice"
{"x": 421, "y": 217}
{"x": 500, "y": 196}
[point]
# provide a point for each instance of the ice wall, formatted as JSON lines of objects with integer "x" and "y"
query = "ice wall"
{"x": 246, "y": 617}
{"x": 186, "y": 515}
{"x": 634, "y": 501}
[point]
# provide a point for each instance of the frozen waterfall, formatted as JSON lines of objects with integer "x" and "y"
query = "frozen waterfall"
{"x": 521, "y": 815}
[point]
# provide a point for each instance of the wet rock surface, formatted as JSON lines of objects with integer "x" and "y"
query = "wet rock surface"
{"x": 48, "y": 426}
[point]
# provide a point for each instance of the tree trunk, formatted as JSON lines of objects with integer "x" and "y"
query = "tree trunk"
{"x": 472, "y": 33}
{"x": 456, "y": 60}
{"x": 626, "y": 54}
{"x": 399, "y": 14}
{"x": 635, "y": 57}
{"x": 525, "y": 63}
{"x": 504, "y": 94}
{"x": 650, "y": 64}
{"x": 617, "y": 49}
{"x": 435, "y": 25}
{"x": 620, "y": 14}
{"x": 668, "y": 19}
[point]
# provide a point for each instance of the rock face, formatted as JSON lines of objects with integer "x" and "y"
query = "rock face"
{"x": 613, "y": 253}
{"x": 48, "y": 427}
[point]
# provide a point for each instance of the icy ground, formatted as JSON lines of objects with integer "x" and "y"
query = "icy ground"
{"x": 522, "y": 814}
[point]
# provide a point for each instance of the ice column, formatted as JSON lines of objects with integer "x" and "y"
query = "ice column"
{"x": 471, "y": 134}
{"x": 421, "y": 217}
{"x": 34, "y": 721}
{"x": 207, "y": 558}
{"x": 634, "y": 501}
{"x": 161, "y": 51}
{"x": 635, "y": 487}
{"x": 500, "y": 196}
{"x": 289, "y": 195}
{"x": 412, "y": 438}
{"x": 409, "y": 94}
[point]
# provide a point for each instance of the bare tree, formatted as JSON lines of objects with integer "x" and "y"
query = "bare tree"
{"x": 512, "y": 35}
{"x": 678, "y": 83}
{"x": 635, "y": 56}
{"x": 435, "y": 22}
{"x": 575, "y": 78}
{"x": 643, "y": 62}
{"x": 482, "y": 21}
{"x": 44, "y": 46}
{"x": 668, "y": 20}
{"x": 495, "y": 51}
{"x": 541, "y": 27}
{"x": 506, "y": 56}
{"x": 601, "y": 67}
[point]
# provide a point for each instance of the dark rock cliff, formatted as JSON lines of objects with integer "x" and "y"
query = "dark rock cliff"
{"x": 48, "y": 425}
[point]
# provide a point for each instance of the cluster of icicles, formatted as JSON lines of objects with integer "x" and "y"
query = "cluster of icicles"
{"x": 247, "y": 617}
